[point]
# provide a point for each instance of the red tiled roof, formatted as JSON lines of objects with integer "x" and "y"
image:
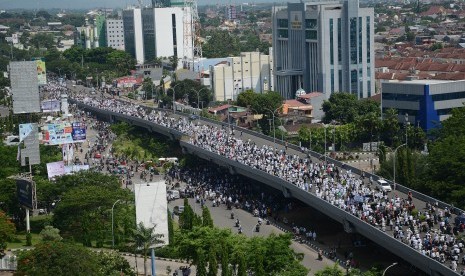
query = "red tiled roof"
{"x": 219, "y": 108}
{"x": 310, "y": 95}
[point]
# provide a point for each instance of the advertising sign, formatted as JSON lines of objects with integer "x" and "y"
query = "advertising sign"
{"x": 79, "y": 132}
{"x": 55, "y": 169}
{"x": 41, "y": 72}
{"x": 63, "y": 133}
{"x": 57, "y": 134}
{"x": 50, "y": 106}
{"x": 24, "y": 131}
{"x": 24, "y": 191}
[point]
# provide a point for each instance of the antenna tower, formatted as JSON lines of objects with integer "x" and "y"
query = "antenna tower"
{"x": 192, "y": 45}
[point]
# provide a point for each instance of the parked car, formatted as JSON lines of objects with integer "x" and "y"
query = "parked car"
{"x": 173, "y": 194}
{"x": 194, "y": 117}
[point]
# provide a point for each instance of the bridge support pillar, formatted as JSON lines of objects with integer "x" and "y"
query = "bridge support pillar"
{"x": 286, "y": 192}
{"x": 348, "y": 227}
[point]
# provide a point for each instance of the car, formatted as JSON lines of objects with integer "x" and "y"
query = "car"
{"x": 194, "y": 117}
{"x": 98, "y": 156}
{"x": 173, "y": 194}
{"x": 383, "y": 185}
{"x": 178, "y": 209}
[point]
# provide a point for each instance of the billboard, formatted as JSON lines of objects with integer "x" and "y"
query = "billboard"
{"x": 24, "y": 191}
{"x": 151, "y": 206}
{"x": 50, "y": 106}
{"x": 55, "y": 169}
{"x": 63, "y": 133}
{"x": 24, "y": 131}
{"x": 79, "y": 132}
{"x": 41, "y": 72}
{"x": 24, "y": 87}
{"x": 29, "y": 153}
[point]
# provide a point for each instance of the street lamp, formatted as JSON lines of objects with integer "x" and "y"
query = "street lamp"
{"x": 406, "y": 128}
{"x": 274, "y": 129}
{"x": 394, "y": 161}
{"x": 325, "y": 126}
{"x": 384, "y": 272}
{"x": 112, "y": 225}
{"x": 174, "y": 93}
{"x": 198, "y": 95}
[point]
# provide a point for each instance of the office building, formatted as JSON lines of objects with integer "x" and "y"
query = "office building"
{"x": 115, "y": 34}
{"x": 249, "y": 71}
{"x": 324, "y": 46}
{"x": 154, "y": 32}
{"x": 423, "y": 102}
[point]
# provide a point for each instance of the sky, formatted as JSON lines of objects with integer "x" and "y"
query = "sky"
{"x": 88, "y": 4}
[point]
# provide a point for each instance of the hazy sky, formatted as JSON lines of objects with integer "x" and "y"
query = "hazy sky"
{"x": 87, "y": 4}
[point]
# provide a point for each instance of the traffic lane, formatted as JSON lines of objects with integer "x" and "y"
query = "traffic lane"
{"x": 222, "y": 219}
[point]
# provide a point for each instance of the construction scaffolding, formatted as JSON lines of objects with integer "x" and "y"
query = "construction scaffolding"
{"x": 192, "y": 44}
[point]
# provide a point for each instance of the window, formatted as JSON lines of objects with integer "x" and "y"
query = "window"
{"x": 353, "y": 40}
{"x": 402, "y": 97}
{"x": 353, "y": 82}
{"x": 340, "y": 80}
{"x": 311, "y": 35}
{"x": 332, "y": 80}
{"x": 368, "y": 39}
{"x": 339, "y": 41}
{"x": 283, "y": 23}
{"x": 449, "y": 96}
{"x": 173, "y": 24}
{"x": 310, "y": 23}
{"x": 283, "y": 33}
{"x": 360, "y": 40}
{"x": 331, "y": 48}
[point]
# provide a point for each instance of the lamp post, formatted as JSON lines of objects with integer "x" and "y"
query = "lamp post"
{"x": 325, "y": 126}
{"x": 174, "y": 93}
{"x": 274, "y": 129}
{"x": 198, "y": 95}
{"x": 394, "y": 161}
{"x": 112, "y": 225}
{"x": 384, "y": 272}
{"x": 406, "y": 128}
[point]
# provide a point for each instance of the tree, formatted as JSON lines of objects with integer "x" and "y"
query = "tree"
{"x": 225, "y": 270}
{"x": 330, "y": 271}
{"x": 58, "y": 258}
{"x": 242, "y": 266}
{"x": 220, "y": 44}
{"x": 207, "y": 220}
{"x": 7, "y": 230}
{"x": 170, "y": 228}
{"x": 174, "y": 60}
{"x": 201, "y": 264}
{"x": 145, "y": 238}
{"x": 49, "y": 233}
{"x": 212, "y": 263}
{"x": 148, "y": 87}
{"x": 112, "y": 263}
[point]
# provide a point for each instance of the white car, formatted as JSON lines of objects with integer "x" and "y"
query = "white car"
{"x": 383, "y": 185}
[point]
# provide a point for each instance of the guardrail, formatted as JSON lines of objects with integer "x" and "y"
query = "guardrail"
{"x": 349, "y": 221}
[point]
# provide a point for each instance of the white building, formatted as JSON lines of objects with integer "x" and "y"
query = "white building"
{"x": 324, "y": 46}
{"x": 115, "y": 34}
{"x": 154, "y": 32}
{"x": 249, "y": 71}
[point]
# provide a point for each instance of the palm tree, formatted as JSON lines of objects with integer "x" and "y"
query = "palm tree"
{"x": 145, "y": 238}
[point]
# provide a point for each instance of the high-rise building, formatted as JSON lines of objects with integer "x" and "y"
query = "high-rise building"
{"x": 325, "y": 46}
{"x": 232, "y": 14}
{"x": 249, "y": 71}
{"x": 92, "y": 35}
{"x": 115, "y": 34}
{"x": 154, "y": 32}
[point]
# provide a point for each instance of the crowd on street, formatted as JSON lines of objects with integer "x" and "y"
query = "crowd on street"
{"x": 429, "y": 230}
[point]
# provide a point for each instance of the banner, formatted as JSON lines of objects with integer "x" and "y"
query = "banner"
{"x": 55, "y": 169}
{"x": 41, "y": 72}
{"x": 24, "y": 131}
{"x": 50, "y": 106}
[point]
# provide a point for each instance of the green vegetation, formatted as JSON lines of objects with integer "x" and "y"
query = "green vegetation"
{"x": 134, "y": 143}
{"x": 60, "y": 258}
{"x": 336, "y": 271}
{"x": 441, "y": 173}
{"x": 7, "y": 231}
{"x": 225, "y": 44}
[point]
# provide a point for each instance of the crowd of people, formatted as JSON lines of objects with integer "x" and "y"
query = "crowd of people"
{"x": 429, "y": 231}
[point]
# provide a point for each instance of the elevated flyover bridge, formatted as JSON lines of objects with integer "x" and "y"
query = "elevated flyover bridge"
{"x": 165, "y": 123}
